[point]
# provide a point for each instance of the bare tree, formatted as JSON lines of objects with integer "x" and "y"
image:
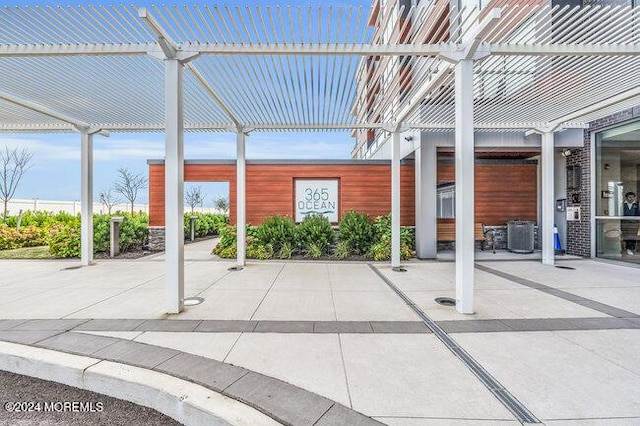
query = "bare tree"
{"x": 14, "y": 163}
{"x": 222, "y": 204}
{"x": 109, "y": 198}
{"x": 129, "y": 184}
{"x": 194, "y": 197}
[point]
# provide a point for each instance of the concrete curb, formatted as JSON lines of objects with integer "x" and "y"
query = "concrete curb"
{"x": 186, "y": 402}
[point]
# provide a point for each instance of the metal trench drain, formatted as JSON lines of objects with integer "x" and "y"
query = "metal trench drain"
{"x": 517, "y": 408}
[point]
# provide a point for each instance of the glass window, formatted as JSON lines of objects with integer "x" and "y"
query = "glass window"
{"x": 446, "y": 200}
{"x": 617, "y": 186}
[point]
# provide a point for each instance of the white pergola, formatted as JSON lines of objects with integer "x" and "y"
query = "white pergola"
{"x": 526, "y": 67}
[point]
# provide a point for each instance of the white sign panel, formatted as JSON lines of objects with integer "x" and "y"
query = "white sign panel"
{"x": 316, "y": 196}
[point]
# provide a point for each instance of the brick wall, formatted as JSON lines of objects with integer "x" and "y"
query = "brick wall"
{"x": 579, "y": 232}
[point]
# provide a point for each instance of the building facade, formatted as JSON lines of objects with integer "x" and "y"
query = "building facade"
{"x": 594, "y": 167}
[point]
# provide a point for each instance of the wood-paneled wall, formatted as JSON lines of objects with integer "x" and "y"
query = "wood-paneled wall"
{"x": 503, "y": 191}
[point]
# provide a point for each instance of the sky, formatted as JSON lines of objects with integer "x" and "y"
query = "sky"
{"x": 55, "y": 169}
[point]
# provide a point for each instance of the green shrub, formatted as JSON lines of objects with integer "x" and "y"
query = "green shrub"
{"x": 286, "y": 251}
{"x": 9, "y": 237}
{"x": 259, "y": 251}
{"x": 228, "y": 237}
{"x": 315, "y": 230}
{"x": 276, "y": 231}
{"x": 32, "y": 236}
{"x": 342, "y": 250}
{"x": 206, "y": 224}
{"x": 64, "y": 240}
{"x": 101, "y": 224}
{"x": 27, "y": 236}
{"x": 381, "y": 250}
{"x": 227, "y": 253}
{"x": 134, "y": 231}
{"x": 357, "y": 232}
{"x": 316, "y": 250}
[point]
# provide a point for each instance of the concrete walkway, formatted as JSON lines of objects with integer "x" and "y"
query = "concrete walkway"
{"x": 564, "y": 343}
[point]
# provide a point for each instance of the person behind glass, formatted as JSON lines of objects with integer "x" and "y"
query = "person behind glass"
{"x": 630, "y": 227}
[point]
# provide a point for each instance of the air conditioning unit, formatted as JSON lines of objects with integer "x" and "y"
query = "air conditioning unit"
{"x": 520, "y": 236}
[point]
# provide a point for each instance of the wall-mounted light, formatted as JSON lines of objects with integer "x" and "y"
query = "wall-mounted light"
{"x": 408, "y": 138}
{"x": 566, "y": 153}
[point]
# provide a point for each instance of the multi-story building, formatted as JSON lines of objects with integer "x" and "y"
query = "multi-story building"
{"x": 595, "y": 167}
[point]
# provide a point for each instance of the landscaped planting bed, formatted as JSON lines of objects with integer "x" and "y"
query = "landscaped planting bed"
{"x": 358, "y": 237}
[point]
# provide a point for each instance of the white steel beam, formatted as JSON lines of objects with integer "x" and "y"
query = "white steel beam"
{"x": 351, "y": 49}
{"x": 86, "y": 198}
{"x": 464, "y": 178}
{"x": 98, "y": 49}
{"x": 44, "y": 110}
{"x": 168, "y": 46}
{"x": 474, "y": 38}
{"x": 395, "y": 199}
{"x": 174, "y": 186}
{"x": 548, "y": 200}
{"x": 218, "y": 100}
{"x": 564, "y": 49}
{"x": 241, "y": 214}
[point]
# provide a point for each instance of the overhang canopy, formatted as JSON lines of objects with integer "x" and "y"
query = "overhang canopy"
{"x": 303, "y": 68}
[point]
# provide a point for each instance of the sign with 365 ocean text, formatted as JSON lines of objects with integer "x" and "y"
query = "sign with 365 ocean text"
{"x": 316, "y": 196}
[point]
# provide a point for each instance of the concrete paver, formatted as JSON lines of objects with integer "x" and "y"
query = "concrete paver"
{"x": 224, "y": 304}
{"x": 423, "y": 379}
{"x": 296, "y": 305}
{"x": 556, "y": 378}
{"x": 211, "y": 345}
{"x": 311, "y": 361}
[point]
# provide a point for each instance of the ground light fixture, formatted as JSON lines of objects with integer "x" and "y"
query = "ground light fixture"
{"x": 193, "y": 301}
{"x": 445, "y": 301}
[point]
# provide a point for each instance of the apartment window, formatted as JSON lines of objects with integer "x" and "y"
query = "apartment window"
{"x": 446, "y": 200}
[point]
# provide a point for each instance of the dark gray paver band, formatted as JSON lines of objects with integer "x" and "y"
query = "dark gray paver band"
{"x": 342, "y": 327}
{"x": 281, "y": 401}
{"x": 583, "y": 301}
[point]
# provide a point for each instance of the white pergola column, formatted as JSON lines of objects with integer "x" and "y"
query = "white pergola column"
{"x": 426, "y": 163}
{"x": 86, "y": 198}
{"x": 548, "y": 202}
{"x": 395, "y": 199}
{"x": 464, "y": 164}
{"x": 174, "y": 186}
{"x": 241, "y": 185}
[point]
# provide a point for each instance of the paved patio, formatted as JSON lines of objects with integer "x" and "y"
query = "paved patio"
{"x": 564, "y": 343}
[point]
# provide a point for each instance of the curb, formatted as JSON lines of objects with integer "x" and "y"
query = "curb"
{"x": 186, "y": 402}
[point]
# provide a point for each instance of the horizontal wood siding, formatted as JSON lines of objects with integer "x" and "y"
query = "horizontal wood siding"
{"x": 503, "y": 191}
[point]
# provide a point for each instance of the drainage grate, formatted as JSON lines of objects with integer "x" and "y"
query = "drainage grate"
{"x": 193, "y": 301}
{"x": 516, "y": 407}
{"x": 445, "y": 301}
{"x": 565, "y": 267}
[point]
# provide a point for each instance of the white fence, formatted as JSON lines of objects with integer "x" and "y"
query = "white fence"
{"x": 73, "y": 207}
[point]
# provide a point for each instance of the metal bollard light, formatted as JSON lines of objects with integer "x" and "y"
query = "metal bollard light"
{"x": 115, "y": 235}
{"x": 192, "y": 227}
